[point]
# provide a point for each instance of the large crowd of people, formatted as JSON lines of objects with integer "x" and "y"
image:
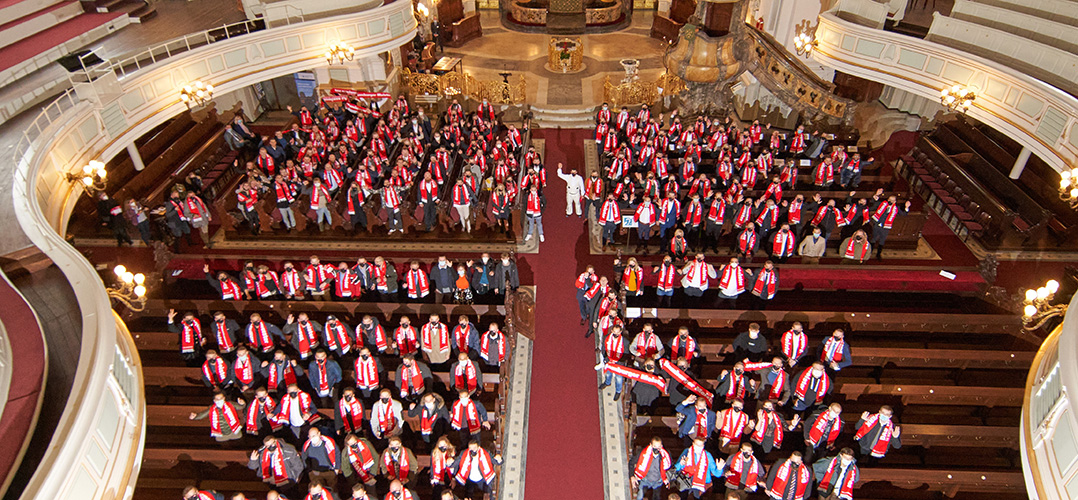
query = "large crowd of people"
{"x": 714, "y": 184}
{"x": 340, "y": 156}
{"x": 728, "y": 425}
{"x": 414, "y": 388}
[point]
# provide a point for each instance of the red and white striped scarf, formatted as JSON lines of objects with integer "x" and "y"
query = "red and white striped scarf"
{"x": 637, "y": 375}
{"x": 804, "y": 480}
{"x": 466, "y": 416}
{"x": 465, "y": 377}
{"x": 806, "y": 380}
{"x": 443, "y": 336}
{"x": 883, "y": 441}
{"x": 190, "y": 335}
{"x": 644, "y": 463}
{"x": 733, "y": 424}
{"x": 272, "y": 467}
{"x": 216, "y": 371}
{"x": 486, "y": 466}
{"x": 418, "y": 284}
{"x": 362, "y": 460}
{"x": 243, "y": 369}
{"x": 825, "y": 425}
{"x": 686, "y": 380}
{"x": 232, "y": 418}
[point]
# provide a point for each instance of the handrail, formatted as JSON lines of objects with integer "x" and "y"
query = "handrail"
{"x": 172, "y": 47}
{"x": 1038, "y": 115}
{"x": 1053, "y": 368}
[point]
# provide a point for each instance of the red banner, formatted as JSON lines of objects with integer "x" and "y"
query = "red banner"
{"x": 685, "y": 380}
{"x": 362, "y": 95}
{"x": 637, "y": 375}
{"x": 335, "y": 98}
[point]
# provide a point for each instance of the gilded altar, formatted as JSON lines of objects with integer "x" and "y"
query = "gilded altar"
{"x": 565, "y": 55}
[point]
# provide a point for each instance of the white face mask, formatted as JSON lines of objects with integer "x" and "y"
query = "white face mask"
{"x": 817, "y": 373}
{"x": 430, "y": 406}
{"x": 845, "y": 461}
{"x": 219, "y": 404}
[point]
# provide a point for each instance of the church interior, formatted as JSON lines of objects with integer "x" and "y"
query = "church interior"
{"x": 298, "y": 249}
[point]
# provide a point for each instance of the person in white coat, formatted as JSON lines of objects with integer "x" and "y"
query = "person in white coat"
{"x": 574, "y": 190}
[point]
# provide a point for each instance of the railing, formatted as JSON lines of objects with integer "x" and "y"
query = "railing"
{"x": 96, "y": 448}
{"x": 641, "y": 91}
{"x": 454, "y": 85}
{"x": 1039, "y": 116}
{"x": 132, "y": 63}
{"x": 1049, "y": 432}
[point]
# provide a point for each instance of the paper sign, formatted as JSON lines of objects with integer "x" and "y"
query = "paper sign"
{"x": 851, "y": 149}
{"x": 628, "y": 221}
{"x": 806, "y": 163}
{"x": 950, "y": 276}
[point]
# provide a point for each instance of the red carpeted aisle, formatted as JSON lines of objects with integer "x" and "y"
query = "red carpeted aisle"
{"x": 564, "y": 447}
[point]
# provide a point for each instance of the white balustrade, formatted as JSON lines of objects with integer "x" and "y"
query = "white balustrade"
{"x": 1035, "y": 114}
{"x": 96, "y": 449}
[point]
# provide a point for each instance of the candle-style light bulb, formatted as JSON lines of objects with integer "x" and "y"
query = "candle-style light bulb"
{"x": 120, "y": 270}
{"x": 1030, "y": 311}
{"x": 1052, "y": 286}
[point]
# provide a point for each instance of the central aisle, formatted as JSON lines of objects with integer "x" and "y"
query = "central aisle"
{"x": 564, "y": 447}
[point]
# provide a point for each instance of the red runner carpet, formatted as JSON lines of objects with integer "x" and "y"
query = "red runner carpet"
{"x": 564, "y": 446}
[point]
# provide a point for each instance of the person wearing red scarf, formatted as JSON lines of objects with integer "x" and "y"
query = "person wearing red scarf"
{"x": 475, "y": 470}
{"x": 296, "y": 410}
{"x": 191, "y": 338}
{"x": 647, "y": 345}
{"x": 198, "y": 216}
{"x": 413, "y": 378}
{"x": 435, "y": 341}
{"x": 774, "y": 381}
{"x": 261, "y": 418}
{"x": 856, "y": 248}
{"x": 492, "y": 346}
{"x": 811, "y": 387}
{"x": 877, "y": 433}
{"x": 699, "y": 466}
{"x": 405, "y": 337}
{"x": 822, "y": 428}
{"x": 732, "y": 278}
{"x": 429, "y": 417}
{"x": 359, "y": 457}
{"x": 215, "y": 372}
{"x": 398, "y": 463}
{"x": 743, "y": 471}
{"x": 837, "y": 476}
{"x": 305, "y": 334}
{"x": 835, "y": 351}
{"x": 277, "y": 463}
{"x": 683, "y": 346}
{"x": 651, "y": 469}
{"x": 468, "y": 417}
{"x": 794, "y": 344}
{"x": 533, "y": 214}
{"x": 732, "y": 424}
{"x": 465, "y": 375}
{"x": 320, "y": 489}
{"x": 226, "y": 421}
{"x": 790, "y": 479}
{"x": 324, "y": 375}
{"x": 764, "y": 283}
{"x": 321, "y": 457}
{"x": 416, "y": 282}
{"x": 733, "y": 384}
{"x": 699, "y": 420}
{"x": 770, "y": 427}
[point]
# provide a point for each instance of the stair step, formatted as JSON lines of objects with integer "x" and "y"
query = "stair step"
{"x": 142, "y": 13}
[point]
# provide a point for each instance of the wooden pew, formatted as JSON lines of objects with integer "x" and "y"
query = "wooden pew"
{"x": 935, "y": 394}
{"x": 949, "y": 482}
{"x": 876, "y": 321}
{"x": 162, "y": 376}
{"x": 912, "y": 434}
{"x": 915, "y": 358}
{"x": 160, "y": 307}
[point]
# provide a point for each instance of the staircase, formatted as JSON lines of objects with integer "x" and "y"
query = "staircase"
{"x": 551, "y": 116}
{"x": 137, "y": 10}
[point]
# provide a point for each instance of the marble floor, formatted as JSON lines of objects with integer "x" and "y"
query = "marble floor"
{"x": 501, "y": 49}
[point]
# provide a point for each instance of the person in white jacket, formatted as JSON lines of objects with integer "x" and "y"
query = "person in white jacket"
{"x": 574, "y": 190}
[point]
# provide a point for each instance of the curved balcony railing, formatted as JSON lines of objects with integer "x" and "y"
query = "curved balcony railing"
{"x": 96, "y": 448}
{"x": 1037, "y": 115}
{"x": 1049, "y": 436}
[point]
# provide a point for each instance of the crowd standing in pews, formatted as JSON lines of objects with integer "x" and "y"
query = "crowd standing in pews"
{"x": 351, "y": 163}
{"x": 396, "y": 391}
{"x": 787, "y": 382}
{"x": 721, "y": 185}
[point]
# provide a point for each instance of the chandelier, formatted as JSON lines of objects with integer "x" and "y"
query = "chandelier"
{"x": 1039, "y": 308}
{"x": 196, "y": 93}
{"x": 804, "y": 43}
{"x": 340, "y": 52}
{"x": 131, "y": 291}
{"x": 91, "y": 177}
{"x": 1068, "y": 187}
{"x": 958, "y": 98}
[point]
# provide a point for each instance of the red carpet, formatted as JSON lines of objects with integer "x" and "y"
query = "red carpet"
{"x": 564, "y": 446}
{"x": 28, "y": 355}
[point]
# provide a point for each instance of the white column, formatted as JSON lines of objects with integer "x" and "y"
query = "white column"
{"x": 1020, "y": 163}
{"x": 136, "y": 158}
